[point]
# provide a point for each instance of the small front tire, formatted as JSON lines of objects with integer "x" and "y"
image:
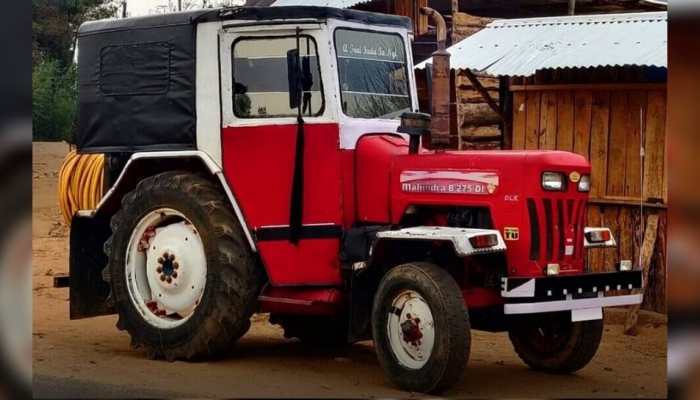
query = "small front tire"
{"x": 421, "y": 328}
{"x": 555, "y": 344}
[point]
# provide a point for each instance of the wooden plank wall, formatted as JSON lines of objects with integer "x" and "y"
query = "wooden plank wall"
{"x": 478, "y": 126}
{"x": 606, "y": 124}
{"x": 411, "y": 9}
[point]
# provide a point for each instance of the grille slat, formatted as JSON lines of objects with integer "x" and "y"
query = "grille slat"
{"x": 561, "y": 228}
{"x": 570, "y": 210}
{"x": 579, "y": 227}
{"x": 549, "y": 234}
{"x": 534, "y": 230}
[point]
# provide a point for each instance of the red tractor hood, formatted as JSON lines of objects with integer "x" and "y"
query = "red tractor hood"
{"x": 389, "y": 179}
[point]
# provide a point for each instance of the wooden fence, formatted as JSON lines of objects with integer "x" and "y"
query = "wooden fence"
{"x": 608, "y": 124}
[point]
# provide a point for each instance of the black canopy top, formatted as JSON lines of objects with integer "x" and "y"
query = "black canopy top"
{"x": 243, "y": 13}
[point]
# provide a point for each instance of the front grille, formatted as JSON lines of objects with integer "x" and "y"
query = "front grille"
{"x": 551, "y": 223}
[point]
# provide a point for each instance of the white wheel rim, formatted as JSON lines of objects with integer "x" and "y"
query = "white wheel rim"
{"x": 166, "y": 268}
{"x": 410, "y": 328}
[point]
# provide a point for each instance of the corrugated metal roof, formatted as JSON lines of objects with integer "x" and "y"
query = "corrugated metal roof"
{"x": 520, "y": 47}
{"x": 319, "y": 3}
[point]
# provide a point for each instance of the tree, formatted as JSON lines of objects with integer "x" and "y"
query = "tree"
{"x": 54, "y": 101}
{"x": 55, "y": 25}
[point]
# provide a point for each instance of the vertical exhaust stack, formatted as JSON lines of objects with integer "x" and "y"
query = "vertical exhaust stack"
{"x": 438, "y": 137}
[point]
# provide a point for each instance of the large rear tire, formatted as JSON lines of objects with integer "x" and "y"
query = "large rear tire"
{"x": 185, "y": 281}
{"x": 555, "y": 344}
{"x": 421, "y": 328}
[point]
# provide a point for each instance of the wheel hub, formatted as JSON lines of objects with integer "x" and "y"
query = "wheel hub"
{"x": 176, "y": 288}
{"x": 166, "y": 268}
{"x": 411, "y": 329}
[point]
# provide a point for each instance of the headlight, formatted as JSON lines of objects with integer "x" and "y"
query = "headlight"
{"x": 553, "y": 181}
{"x": 584, "y": 185}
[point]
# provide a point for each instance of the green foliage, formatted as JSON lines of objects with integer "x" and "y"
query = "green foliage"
{"x": 54, "y": 101}
{"x": 55, "y": 25}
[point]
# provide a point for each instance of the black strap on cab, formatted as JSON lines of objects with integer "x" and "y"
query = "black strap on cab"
{"x": 297, "y": 200}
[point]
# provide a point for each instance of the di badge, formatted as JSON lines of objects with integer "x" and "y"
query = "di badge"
{"x": 511, "y": 233}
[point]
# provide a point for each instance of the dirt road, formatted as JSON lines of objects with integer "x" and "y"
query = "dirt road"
{"x": 91, "y": 358}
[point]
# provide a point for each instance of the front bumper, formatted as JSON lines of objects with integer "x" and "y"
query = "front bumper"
{"x": 576, "y": 293}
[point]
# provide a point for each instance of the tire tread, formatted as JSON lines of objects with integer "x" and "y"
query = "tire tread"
{"x": 239, "y": 277}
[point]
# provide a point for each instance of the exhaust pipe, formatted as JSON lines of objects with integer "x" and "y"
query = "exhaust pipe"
{"x": 438, "y": 137}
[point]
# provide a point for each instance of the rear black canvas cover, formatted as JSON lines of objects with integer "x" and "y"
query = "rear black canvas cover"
{"x": 137, "y": 89}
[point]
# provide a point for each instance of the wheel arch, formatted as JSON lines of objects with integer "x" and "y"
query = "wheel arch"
{"x": 418, "y": 243}
{"x": 145, "y": 164}
{"x": 391, "y": 248}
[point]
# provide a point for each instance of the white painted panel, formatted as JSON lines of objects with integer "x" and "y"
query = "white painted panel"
{"x": 208, "y": 100}
{"x": 458, "y": 236}
{"x": 577, "y": 304}
{"x": 587, "y": 314}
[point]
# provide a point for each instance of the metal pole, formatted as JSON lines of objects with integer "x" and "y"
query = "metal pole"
{"x": 124, "y": 9}
{"x": 439, "y": 136}
{"x": 572, "y": 7}
{"x": 179, "y": 5}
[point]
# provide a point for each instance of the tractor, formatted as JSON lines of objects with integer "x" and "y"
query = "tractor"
{"x": 273, "y": 160}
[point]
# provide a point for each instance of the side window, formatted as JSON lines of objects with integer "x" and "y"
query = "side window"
{"x": 260, "y": 82}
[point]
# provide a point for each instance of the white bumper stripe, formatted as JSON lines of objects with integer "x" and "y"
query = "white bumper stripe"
{"x": 572, "y": 304}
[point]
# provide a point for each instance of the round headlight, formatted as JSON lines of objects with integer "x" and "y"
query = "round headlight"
{"x": 584, "y": 185}
{"x": 553, "y": 181}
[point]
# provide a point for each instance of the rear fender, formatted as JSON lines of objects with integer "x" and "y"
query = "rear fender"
{"x": 90, "y": 229}
{"x": 141, "y": 165}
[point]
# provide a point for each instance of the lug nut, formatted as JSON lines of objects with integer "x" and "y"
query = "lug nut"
{"x": 172, "y": 257}
{"x": 170, "y": 280}
{"x": 176, "y": 265}
{"x": 174, "y": 274}
{"x": 159, "y": 270}
{"x": 160, "y": 260}
{"x": 162, "y": 277}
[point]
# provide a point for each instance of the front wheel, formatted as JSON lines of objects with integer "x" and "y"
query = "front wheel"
{"x": 555, "y": 344}
{"x": 420, "y": 328}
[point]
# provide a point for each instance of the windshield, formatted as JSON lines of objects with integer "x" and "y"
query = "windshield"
{"x": 373, "y": 74}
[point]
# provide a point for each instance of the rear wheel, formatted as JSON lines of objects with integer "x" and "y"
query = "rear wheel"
{"x": 421, "y": 328}
{"x": 184, "y": 280}
{"x": 555, "y": 344}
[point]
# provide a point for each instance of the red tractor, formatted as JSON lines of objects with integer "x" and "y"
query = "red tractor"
{"x": 271, "y": 160}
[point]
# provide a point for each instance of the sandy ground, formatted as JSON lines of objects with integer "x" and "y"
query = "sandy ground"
{"x": 91, "y": 358}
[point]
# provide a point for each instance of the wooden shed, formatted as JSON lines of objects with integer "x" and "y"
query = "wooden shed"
{"x": 594, "y": 85}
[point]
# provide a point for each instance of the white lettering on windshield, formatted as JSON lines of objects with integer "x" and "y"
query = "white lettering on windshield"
{"x": 381, "y": 52}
